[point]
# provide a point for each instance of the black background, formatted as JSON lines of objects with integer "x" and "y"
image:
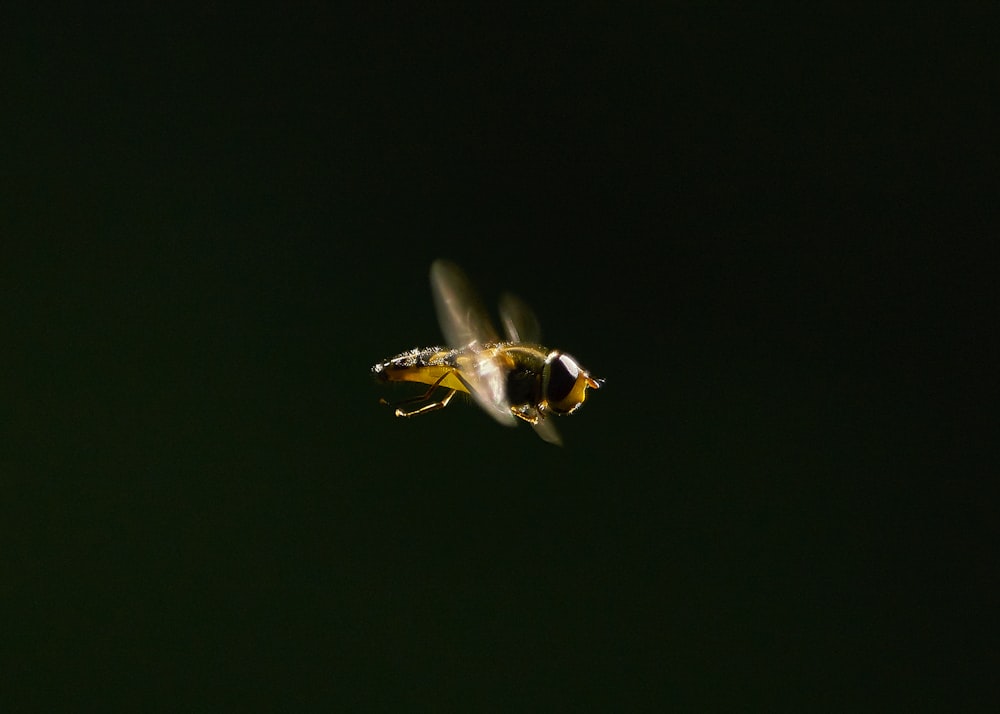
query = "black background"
{"x": 760, "y": 227}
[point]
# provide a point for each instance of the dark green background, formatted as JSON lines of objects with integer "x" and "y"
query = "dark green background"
{"x": 755, "y": 226}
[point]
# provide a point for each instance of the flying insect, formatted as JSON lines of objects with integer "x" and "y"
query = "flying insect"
{"x": 512, "y": 379}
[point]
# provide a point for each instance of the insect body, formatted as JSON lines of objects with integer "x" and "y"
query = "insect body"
{"x": 510, "y": 379}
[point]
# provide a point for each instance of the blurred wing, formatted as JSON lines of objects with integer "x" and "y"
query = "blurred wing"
{"x": 548, "y": 432}
{"x": 520, "y": 324}
{"x": 460, "y": 312}
{"x": 466, "y": 324}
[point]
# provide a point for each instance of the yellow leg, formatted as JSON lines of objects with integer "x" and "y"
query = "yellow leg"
{"x": 441, "y": 404}
{"x": 428, "y": 407}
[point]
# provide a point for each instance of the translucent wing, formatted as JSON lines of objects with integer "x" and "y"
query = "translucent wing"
{"x": 466, "y": 324}
{"x": 519, "y": 321}
{"x": 546, "y": 429}
{"x": 461, "y": 314}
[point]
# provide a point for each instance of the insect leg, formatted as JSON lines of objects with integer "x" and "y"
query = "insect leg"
{"x": 441, "y": 404}
{"x": 428, "y": 407}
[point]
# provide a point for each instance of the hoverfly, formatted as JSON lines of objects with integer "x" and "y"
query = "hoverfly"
{"x": 511, "y": 379}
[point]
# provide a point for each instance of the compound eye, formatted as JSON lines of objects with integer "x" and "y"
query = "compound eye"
{"x": 563, "y": 372}
{"x": 565, "y": 383}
